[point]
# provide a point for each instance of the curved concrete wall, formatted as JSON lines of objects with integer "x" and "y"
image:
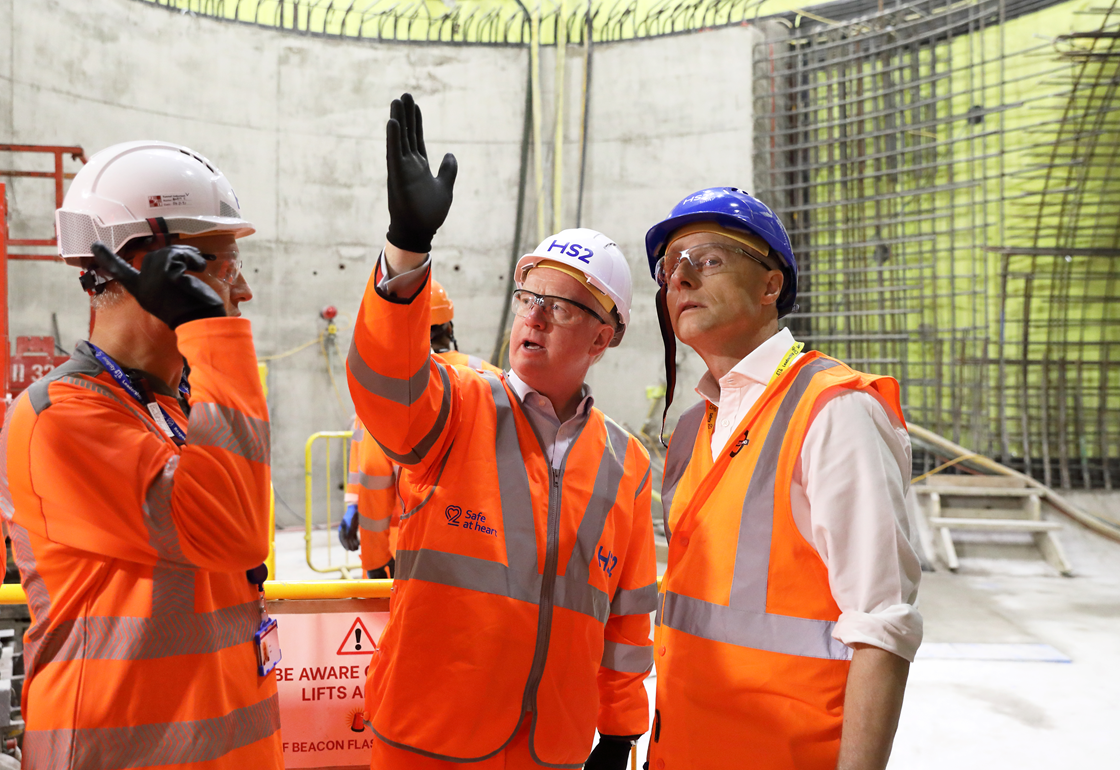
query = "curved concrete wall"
{"x": 297, "y": 124}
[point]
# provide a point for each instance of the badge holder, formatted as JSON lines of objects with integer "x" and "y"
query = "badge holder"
{"x": 267, "y": 640}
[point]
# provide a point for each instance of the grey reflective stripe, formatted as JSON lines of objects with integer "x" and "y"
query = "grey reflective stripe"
{"x": 167, "y": 743}
{"x": 627, "y": 658}
{"x": 221, "y": 426}
{"x": 163, "y": 636}
{"x": 752, "y": 557}
{"x": 612, "y": 465}
{"x": 518, "y": 522}
{"x": 353, "y": 477}
{"x": 417, "y": 454}
{"x": 635, "y": 601}
{"x": 38, "y": 598}
{"x": 357, "y": 434}
{"x": 162, "y": 534}
{"x": 7, "y": 505}
{"x": 372, "y": 483}
{"x": 370, "y": 524}
{"x": 577, "y": 595}
{"x": 474, "y": 362}
{"x": 678, "y": 456}
{"x": 744, "y": 621}
{"x": 81, "y": 362}
{"x": 757, "y": 630}
{"x": 403, "y": 392}
{"x": 456, "y": 570}
{"x": 129, "y": 406}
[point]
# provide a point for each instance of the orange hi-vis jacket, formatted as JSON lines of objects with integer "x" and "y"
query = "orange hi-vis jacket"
{"x": 133, "y": 551}
{"x": 455, "y": 358}
{"x": 372, "y": 485}
{"x": 520, "y": 589}
{"x": 748, "y": 673}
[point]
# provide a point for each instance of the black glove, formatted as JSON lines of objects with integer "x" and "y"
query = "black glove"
{"x": 348, "y": 529}
{"x": 418, "y": 202}
{"x": 163, "y": 286}
{"x": 383, "y": 573}
{"x": 611, "y": 753}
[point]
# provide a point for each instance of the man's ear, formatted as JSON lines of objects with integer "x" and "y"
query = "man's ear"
{"x": 601, "y": 341}
{"x": 774, "y": 282}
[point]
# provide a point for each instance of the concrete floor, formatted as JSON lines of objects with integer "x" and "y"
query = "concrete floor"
{"x": 985, "y": 692}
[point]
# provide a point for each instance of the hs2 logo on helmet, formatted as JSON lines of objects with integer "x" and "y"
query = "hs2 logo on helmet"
{"x": 608, "y": 561}
{"x": 573, "y": 249}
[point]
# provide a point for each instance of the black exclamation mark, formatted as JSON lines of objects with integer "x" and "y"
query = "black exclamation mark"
{"x": 357, "y": 638}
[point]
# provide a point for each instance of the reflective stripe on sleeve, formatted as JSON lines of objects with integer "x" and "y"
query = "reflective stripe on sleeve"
{"x": 7, "y": 506}
{"x": 162, "y": 535}
{"x": 168, "y": 743}
{"x": 370, "y": 524}
{"x": 403, "y": 392}
{"x": 221, "y": 426}
{"x": 372, "y": 483}
{"x": 627, "y": 658}
{"x": 420, "y": 451}
{"x": 757, "y": 630}
{"x": 635, "y": 601}
{"x": 38, "y": 599}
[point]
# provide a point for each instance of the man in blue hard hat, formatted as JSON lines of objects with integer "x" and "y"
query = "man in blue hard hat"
{"x": 786, "y": 620}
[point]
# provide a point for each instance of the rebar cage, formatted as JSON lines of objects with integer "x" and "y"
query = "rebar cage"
{"x": 945, "y": 177}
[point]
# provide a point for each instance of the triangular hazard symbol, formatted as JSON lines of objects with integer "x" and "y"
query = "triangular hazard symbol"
{"x": 358, "y": 640}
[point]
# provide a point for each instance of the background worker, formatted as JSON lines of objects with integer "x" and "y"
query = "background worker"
{"x": 139, "y": 531}
{"x": 526, "y": 567}
{"x": 372, "y": 502}
{"x": 372, "y": 506}
{"x": 786, "y": 623}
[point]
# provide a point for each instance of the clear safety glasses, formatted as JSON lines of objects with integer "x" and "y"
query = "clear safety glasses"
{"x": 707, "y": 259}
{"x": 559, "y": 310}
{"x": 224, "y": 266}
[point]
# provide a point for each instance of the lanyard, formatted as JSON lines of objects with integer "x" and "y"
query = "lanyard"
{"x": 787, "y": 360}
{"x": 161, "y": 417}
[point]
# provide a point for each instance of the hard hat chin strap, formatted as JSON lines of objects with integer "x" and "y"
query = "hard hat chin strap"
{"x": 670, "y": 342}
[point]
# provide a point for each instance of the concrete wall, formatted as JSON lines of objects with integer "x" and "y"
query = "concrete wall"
{"x": 297, "y": 124}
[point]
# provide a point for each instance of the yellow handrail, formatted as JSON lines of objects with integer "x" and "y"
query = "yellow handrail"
{"x": 307, "y": 476}
{"x": 12, "y": 593}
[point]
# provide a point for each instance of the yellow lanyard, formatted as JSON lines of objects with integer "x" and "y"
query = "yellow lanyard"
{"x": 787, "y": 360}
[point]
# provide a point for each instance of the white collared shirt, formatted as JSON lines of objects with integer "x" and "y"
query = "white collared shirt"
{"x": 556, "y": 437}
{"x": 847, "y": 498}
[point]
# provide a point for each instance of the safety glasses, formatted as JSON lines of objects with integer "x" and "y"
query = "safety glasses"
{"x": 706, "y": 260}
{"x": 559, "y": 310}
{"x": 224, "y": 266}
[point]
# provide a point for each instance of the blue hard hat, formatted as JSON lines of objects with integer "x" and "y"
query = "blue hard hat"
{"x": 733, "y": 209}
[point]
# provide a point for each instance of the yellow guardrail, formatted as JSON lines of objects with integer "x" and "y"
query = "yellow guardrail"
{"x": 308, "y": 476}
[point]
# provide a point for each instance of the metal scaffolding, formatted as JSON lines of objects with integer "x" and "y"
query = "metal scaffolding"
{"x": 945, "y": 181}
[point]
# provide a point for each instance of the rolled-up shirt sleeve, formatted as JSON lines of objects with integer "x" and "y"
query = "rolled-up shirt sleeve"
{"x": 848, "y": 500}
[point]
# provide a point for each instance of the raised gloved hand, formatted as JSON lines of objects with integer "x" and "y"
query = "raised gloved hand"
{"x": 348, "y": 529}
{"x": 611, "y": 753}
{"x": 418, "y": 201}
{"x": 163, "y": 286}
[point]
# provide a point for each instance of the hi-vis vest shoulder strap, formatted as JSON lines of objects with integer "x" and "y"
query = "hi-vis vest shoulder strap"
{"x": 522, "y": 578}
{"x": 744, "y": 620}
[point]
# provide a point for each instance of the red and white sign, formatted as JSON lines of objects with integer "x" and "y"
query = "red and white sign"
{"x": 322, "y": 682}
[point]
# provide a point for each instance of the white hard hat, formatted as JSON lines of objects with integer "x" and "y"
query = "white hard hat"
{"x": 597, "y": 257}
{"x": 138, "y": 189}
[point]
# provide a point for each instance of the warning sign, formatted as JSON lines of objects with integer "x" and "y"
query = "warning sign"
{"x": 322, "y": 687}
{"x": 358, "y": 641}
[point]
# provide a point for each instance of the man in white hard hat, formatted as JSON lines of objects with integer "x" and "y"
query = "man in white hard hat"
{"x": 525, "y": 562}
{"x": 138, "y": 499}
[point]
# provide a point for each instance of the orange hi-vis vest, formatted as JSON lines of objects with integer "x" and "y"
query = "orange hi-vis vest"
{"x": 372, "y": 485}
{"x": 748, "y": 673}
{"x": 520, "y": 589}
{"x": 133, "y": 551}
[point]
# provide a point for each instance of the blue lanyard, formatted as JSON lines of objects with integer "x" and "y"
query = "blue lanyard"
{"x": 163, "y": 419}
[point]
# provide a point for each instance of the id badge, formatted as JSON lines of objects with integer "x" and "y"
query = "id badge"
{"x": 267, "y": 640}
